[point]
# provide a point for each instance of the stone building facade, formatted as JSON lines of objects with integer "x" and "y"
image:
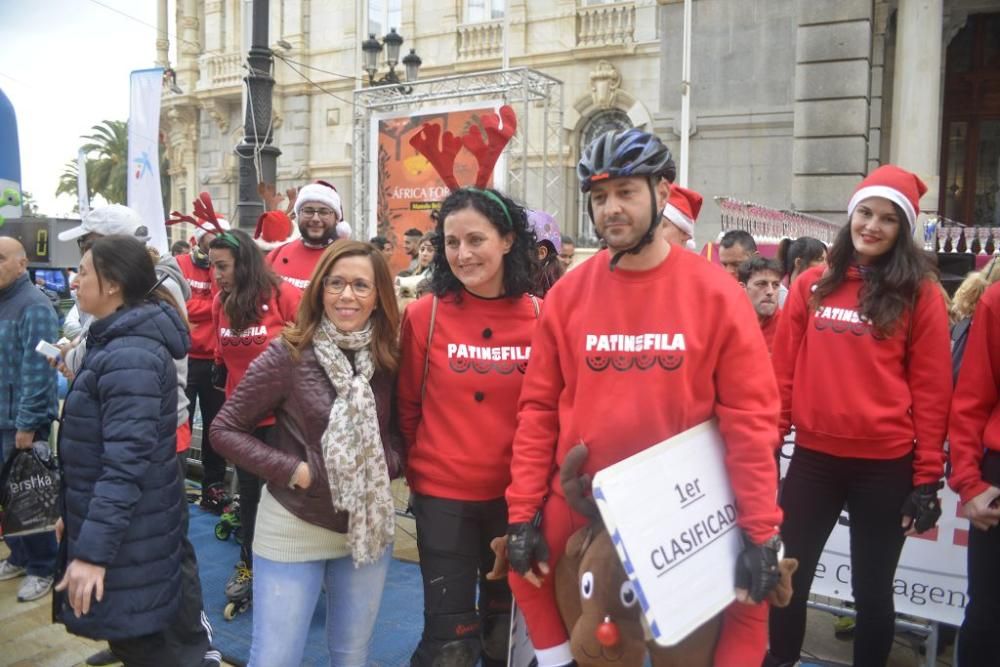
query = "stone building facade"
{"x": 793, "y": 101}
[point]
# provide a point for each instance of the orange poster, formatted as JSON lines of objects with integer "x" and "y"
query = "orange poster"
{"x": 407, "y": 187}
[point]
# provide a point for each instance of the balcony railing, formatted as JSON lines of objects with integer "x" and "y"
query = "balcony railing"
{"x": 220, "y": 71}
{"x": 478, "y": 41}
{"x": 605, "y": 25}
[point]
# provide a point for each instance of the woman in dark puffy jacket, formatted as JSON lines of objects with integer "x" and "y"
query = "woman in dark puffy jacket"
{"x": 326, "y": 515}
{"x": 122, "y": 495}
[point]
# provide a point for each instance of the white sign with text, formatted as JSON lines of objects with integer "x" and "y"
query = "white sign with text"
{"x": 672, "y": 516}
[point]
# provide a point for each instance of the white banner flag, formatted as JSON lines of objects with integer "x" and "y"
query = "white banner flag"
{"x": 144, "y": 195}
{"x": 83, "y": 196}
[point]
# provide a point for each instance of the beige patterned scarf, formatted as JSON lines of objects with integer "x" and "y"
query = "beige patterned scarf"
{"x": 352, "y": 443}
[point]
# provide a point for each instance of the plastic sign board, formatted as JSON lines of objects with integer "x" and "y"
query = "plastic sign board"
{"x": 671, "y": 513}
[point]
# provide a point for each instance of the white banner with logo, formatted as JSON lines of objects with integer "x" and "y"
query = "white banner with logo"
{"x": 144, "y": 193}
{"x": 930, "y": 580}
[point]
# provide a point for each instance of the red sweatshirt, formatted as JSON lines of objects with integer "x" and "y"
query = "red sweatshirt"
{"x": 237, "y": 349}
{"x": 459, "y": 434}
{"x": 199, "y": 307}
{"x": 624, "y": 360}
{"x": 769, "y": 327}
{"x": 975, "y": 407}
{"x": 294, "y": 262}
{"x": 851, "y": 394}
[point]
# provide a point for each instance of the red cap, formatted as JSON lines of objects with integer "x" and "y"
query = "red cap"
{"x": 682, "y": 208}
{"x": 899, "y": 186}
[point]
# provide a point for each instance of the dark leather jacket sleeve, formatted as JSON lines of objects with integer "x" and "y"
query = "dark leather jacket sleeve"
{"x": 261, "y": 392}
{"x": 392, "y": 438}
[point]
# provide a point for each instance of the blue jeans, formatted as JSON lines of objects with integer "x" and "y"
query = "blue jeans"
{"x": 284, "y": 600}
{"x": 36, "y": 553}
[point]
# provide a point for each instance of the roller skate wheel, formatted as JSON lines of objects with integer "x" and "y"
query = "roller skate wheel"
{"x": 230, "y": 611}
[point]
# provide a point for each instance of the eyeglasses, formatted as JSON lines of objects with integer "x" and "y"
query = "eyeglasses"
{"x": 361, "y": 288}
{"x": 321, "y": 212}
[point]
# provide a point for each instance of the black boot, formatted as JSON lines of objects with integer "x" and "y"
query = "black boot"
{"x": 105, "y": 657}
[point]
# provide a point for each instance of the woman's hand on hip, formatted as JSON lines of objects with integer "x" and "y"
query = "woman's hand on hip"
{"x": 81, "y": 582}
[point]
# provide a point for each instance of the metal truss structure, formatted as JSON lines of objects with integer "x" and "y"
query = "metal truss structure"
{"x": 534, "y": 169}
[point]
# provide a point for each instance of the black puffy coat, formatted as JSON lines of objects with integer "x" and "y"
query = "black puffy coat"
{"x": 122, "y": 492}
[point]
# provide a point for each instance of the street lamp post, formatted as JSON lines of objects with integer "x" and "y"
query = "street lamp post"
{"x": 392, "y": 42}
{"x": 256, "y": 146}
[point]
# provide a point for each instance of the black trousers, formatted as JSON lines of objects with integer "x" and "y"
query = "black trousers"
{"x": 453, "y": 539}
{"x": 201, "y": 391}
{"x": 814, "y": 492}
{"x": 250, "y": 486}
{"x": 147, "y": 651}
{"x": 979, "y": 639}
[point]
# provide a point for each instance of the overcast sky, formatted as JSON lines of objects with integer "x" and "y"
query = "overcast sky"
{"x": 65, "y": 67}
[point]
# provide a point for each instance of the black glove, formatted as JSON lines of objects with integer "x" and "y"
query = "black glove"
{"x": 525, "y": 545}
{"x": 219, "y": 375}
{"x": 757, "y": 567}
{"x": 923, "y": 506}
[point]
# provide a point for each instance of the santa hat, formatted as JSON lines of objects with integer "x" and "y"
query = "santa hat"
{"x": 204, "y": 227}
{"x": 682, "y": 208}
{"x": 274, "y": 228}
{"x": 344, "y": 230}
{"x": 899, "y": 186}
{"x": 319, "y": 192}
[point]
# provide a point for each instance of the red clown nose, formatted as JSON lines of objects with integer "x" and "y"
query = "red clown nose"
{"x": 607, "y": 633}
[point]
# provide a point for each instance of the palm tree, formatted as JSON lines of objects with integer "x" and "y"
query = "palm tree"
{"x": 107, "y": 163}
{"x": 68, "y": 181}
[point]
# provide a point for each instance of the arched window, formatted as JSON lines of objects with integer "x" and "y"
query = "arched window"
{"x": 608, "y": 120}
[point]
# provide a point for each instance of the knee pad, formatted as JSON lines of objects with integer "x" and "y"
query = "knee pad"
{"x": 457, "y": 653}
{"x": 496, "y": 636}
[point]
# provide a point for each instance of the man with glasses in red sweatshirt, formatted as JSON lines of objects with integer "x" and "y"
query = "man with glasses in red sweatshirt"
{"x": 700, "y": 355}
{"x": 318, "y": 213}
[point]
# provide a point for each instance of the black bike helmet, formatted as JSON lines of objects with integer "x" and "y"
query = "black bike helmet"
{"x": 627, "y": 153}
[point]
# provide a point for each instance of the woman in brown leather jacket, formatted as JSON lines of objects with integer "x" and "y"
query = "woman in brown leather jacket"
{"x": 326, "y": 514}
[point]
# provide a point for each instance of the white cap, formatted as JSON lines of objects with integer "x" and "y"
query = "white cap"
{"x": 321, "y": 193}
{"x": 109, "y": 221}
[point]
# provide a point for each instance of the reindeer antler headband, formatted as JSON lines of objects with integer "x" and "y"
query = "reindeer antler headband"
{"x": 208, "y": 220}
{"x": 442, "y": 149}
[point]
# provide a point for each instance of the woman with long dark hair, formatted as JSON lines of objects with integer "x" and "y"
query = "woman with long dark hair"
{"x": 252, "y": 307}
{"x": 123, "y": 499}
{"x": 465, "y": 348}
{"x": 326, "y": 515}
{"x": 799, "y": 255}
{"x": 861, "y": 357}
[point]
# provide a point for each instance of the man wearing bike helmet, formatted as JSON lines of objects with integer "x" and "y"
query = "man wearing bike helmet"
{"x": 637, "y": 345}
